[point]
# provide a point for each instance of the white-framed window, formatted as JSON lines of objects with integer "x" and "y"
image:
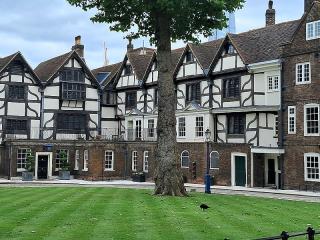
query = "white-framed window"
{"x": 199, "y": 126}
{"x": 76, "y": 159}
{"x": 138, "y": 129}
{"x": 85, "y": 160}
{"x": 134, "y": 161}
{"x": 311, "y": 120}
{"x": 146, "y": 161}
{"x": 313, "y": 30}
{"x": 182, "y": 127}
{"x": 276, "y": 125}
{"x": 22, "y": 154}
{"x": 109, "y": 160}
{"x": 303, "y": 73}
{"x": 151, "y": 128}
{"x": 214, "y": 160}
{"x": 291, "y": 120}
{"x": 273, "y": 83}
{"x": 185, "y": 159}
{"x": 58, "y": 162}
{"x": 312, "y": 167}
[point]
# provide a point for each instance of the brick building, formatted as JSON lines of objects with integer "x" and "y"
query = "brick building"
{"x": 257, "y": 92}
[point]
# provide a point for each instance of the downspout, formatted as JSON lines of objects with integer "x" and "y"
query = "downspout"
{"x": 99, "y": 110}
{"x": 281, "y": 124}
{"x": 41, "y": 90}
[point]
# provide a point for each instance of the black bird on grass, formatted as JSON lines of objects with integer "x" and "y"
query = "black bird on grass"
{"x": 204, "y": 206}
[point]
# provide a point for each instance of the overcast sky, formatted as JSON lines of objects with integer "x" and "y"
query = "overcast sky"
{"x": 42, "y": 29}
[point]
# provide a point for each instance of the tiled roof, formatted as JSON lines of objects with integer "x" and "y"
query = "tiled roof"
{"x": 263, "y": 44}
{"x": 6, "y": 60}
{"x": 47, "y": 69}
{"x": 140, "y": 60}
{"x": 112, "y": 69}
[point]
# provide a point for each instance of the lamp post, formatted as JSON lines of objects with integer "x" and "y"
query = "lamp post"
{"x": 207, "y": 178}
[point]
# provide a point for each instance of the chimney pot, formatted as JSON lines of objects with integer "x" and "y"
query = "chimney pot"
{"x": 130, "y": 45}
{"x": 77, "y": 40}
{"x": 78, "y": 47}
{"x": 270, "y": 15}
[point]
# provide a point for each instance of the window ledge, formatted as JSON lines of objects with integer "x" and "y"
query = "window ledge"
{"x": 312, "y": 135}
{"x": 85, "y": 170}
{"x": 109, "y": 170}
{"x": 214, "y": 168}
{"x": 312, "y": 180}
{"x": 184, "y": 167}
{"x": 21, "y": 169}
{"x": 302, "y": 83}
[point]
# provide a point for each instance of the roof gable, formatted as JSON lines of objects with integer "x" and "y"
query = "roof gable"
{"x": 112, "y": 69}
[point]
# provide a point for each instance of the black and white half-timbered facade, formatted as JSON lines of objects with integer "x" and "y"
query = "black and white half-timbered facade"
{"x": 239, "y": 87}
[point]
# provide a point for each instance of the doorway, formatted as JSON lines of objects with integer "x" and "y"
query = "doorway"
{"x": 239, "y": 169}
{"x": 43, "y": 166}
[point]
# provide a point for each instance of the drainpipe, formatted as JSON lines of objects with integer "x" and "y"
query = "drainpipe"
{"x": 99, "y": 110}
{"x": 41, "y": 90}
{"x": 281, "y": 124}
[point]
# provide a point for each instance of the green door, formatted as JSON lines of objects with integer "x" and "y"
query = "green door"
{"x": 240, "y": 171}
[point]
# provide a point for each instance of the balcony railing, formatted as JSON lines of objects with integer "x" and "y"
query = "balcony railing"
{"x": 106, "y": 134}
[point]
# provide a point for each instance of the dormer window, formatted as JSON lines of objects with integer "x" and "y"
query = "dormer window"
{"x": 127, "y": 69}
{"x": 189, "y": 57}
{"x": 313, "y": 30}
{"x": 229, "y": 49}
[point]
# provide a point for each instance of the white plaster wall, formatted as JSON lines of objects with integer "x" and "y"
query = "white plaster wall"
{"x": 48, "y": 119}
{"x": 2, "y": 94}
{"x": 87, "y": 81}
{"x": 110, "y": 125}
{"x": 56, "y": 80}
{"x": 259, "y": 86}
{"x": 229, "y": 62}
{"x": 239, "y": 62}
{"x": 94, "y": 118}
{"x": 92, "y": 93}
{"x": 36, "y": 107}
{"x": 222, "y": 119}
{"x": 236, "y": 140}
{"x": 51, "y": 103}
{"x": 16, "y": 78}
{"x": 2, "y": 109}
{"x": 217, "y": 68}
{"x": 27, "y": 80}
{"x": 190, "y": 69}
{"x": 35, "y": 129}
{"x": 69, "y": 63}
{"x": 180, "y": 72}
{"x": 231, "y": 104}
{"x": 91, "y": 106}
{"x": 16, "y": 109}
{"x": 76, "y": 64}
{"x": 108, "y": 112}
{"x": 5, "y": 79}
{"x": 34, "y": 90}
{"x": 52, "y": 91}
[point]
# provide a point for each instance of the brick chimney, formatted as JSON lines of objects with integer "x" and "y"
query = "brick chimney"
{"x": 270, "y": 15}
{"x": 130, "y": 45}
{"x": 78, "y": 46}
{"x": 307, "y": 4}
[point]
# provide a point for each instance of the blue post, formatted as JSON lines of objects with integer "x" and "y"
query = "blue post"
{"x": 208, "y": 184}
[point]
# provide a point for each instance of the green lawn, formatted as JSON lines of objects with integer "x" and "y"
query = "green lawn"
{"x": 105, "y": 213}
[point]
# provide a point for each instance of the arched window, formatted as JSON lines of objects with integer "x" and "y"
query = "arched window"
{"x": 214, "y": 160}
{"x": 185, "y": 159}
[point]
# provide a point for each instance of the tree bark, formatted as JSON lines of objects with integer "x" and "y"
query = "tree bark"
{"x": 167, "y": 176}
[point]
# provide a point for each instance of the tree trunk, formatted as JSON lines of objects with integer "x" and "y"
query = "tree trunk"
{"x": 168, "y": 177}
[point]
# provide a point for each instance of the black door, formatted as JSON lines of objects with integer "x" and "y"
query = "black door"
{"x": 42, "y": 167}
{"x": 271, "y": 172}
{"x": 240, "y": 171}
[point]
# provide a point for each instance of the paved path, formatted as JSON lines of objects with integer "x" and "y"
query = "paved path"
{"x": 256, "y": 192}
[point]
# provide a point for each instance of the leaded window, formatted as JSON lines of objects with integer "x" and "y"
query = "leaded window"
{"x": 109, "y": 158}
{"x": 189, "y": 57}
{"x": 17, "y": 92}
{"x": 138, "y": 129}
{"x": 127, "y": 69}
{"x": 231, "y": 88}
{"x": 16, "y": 126}
{"x": 22, "y": 155}
{"x": 58, "y": 157}
{"x": 131, "y": 100}
{"x": 236, "y": 123}
{"x": 73, "y": 84}
{"x": 151, "y": 128}
{"x": 214, "y": 160}
{"x": 109, "y": 98}
{"x": 193, "y": 93}
{"x": 134, "y": 161}
{"x": 67, "y": 121}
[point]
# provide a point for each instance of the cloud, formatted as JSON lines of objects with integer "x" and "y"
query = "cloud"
{"x": 44, "y": 29}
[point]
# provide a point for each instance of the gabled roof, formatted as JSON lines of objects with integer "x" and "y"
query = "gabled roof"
{"x": 113, "y": 69}
{"x": 263, "y": 44}
{"x": 48, "y": 69}
{"x": 4, "y": 62}
{"x": 140, "y": 62}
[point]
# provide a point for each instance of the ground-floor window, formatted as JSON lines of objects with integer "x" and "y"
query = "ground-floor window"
{"x": 109, "y": 157}
{"x": 76, "y": 160}
{"x": 59, "y": 155}
{"x": 214, "y": 160}
{"x": 185, "y": 159}
{"x": 134, "y": 161}
{"x": 312, "y": 166}
{"x": 145, "y": 161}
{"x": 85, "y": 160}
{"x": 22, "y": 155}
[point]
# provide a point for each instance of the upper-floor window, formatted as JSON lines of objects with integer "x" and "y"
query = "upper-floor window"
{"x": 276, "y": 125}
{"x": 127, "y": 69}
{"x": 181, "y": 127}
{"x": 109, "y": 98}
{"x": 17, "y": 92}
{"x": 236, "y": 123}
{"x": 189, "y": 57}
{"x": 231, "y": 88}
{"x": 291, "y": 120}
{"x": 131, "y": 100}
{"x": 67, "y": 121}
{"x": 303, "y": 73}
{"x": 151, "y": 128}
{"x": 273, "y": 83}
{"x": 313, "y": 30}
{"x": 16, "y": 126}
{"x": 73, "y": 84}
{"x": 229, "y": 49}
{"x": 199, "y": 127}
{"x": 311, "y": 120}
{"x": 16, "y": 67}
{"x": 193, "y": 93}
